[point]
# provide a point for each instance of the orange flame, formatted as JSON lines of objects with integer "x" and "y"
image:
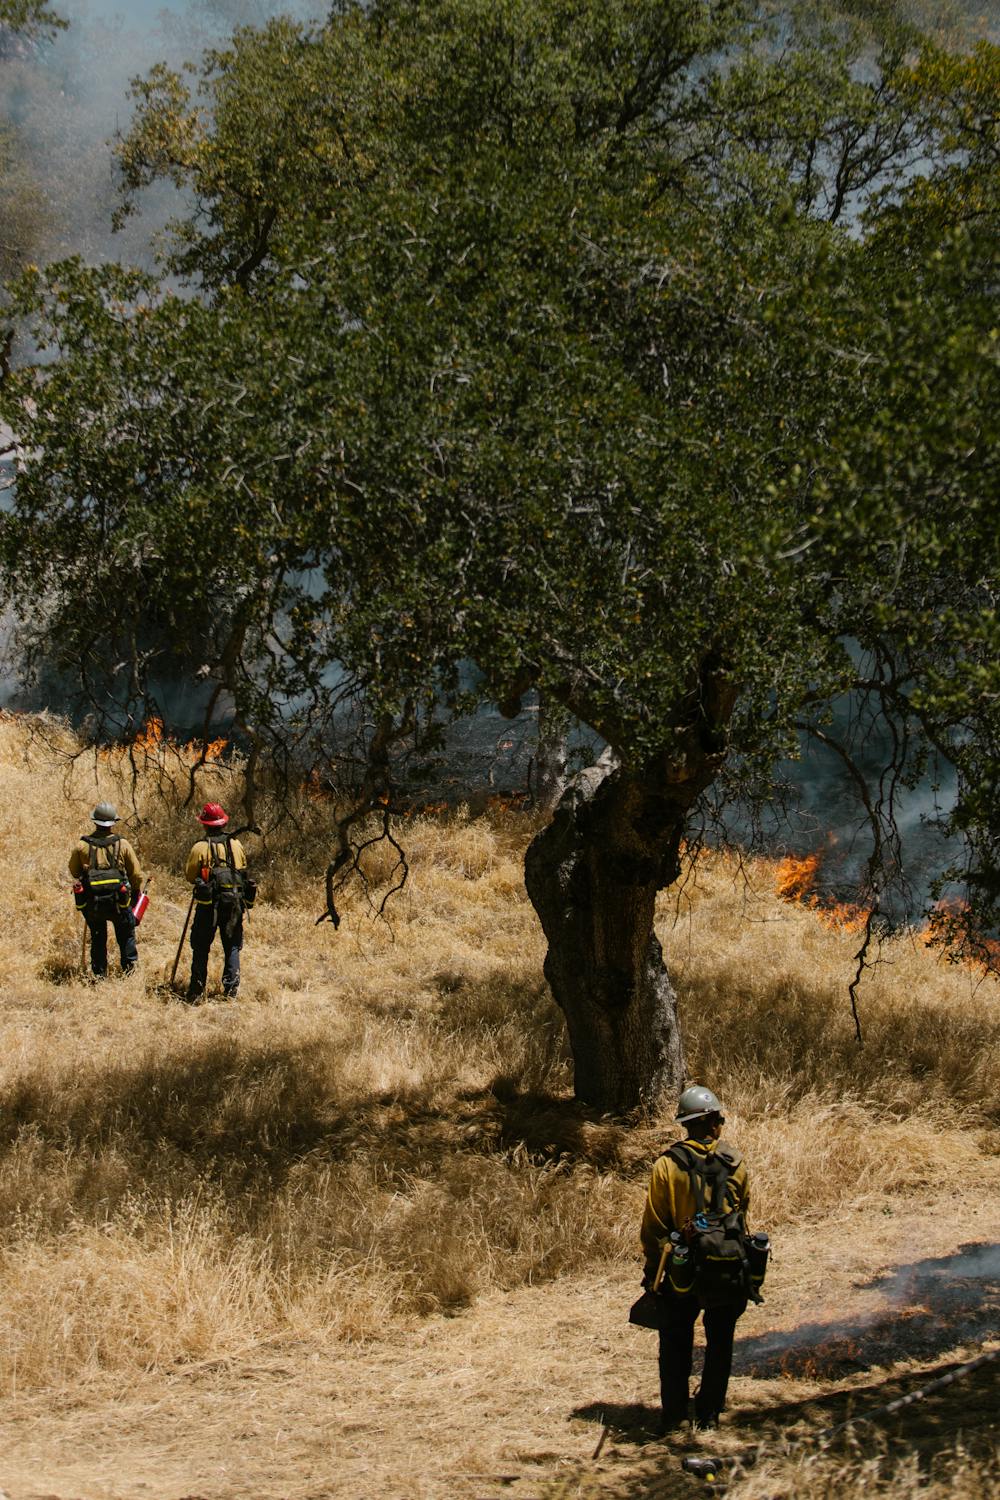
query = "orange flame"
{"x": 825, "y": 1362}
{"x": 153, "y": 739}
{"x": 820, "y": 1361}
{"x": 509, "y": 802}
{"x": 794, "y": 878}
{"x": 794, "y": 881}
{"x": 496, "y": 802}
{"x": 315, "y": 788}
{"x": 936, "y": 933}
{"x": 150, "y": 736}
{"x": 428, "y": 810}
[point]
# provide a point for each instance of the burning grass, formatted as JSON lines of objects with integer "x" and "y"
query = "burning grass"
{"x": 795, "y": 880}
{"x": 383, "y": 1127}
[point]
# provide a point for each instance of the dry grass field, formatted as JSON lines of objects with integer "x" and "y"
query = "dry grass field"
{"x": 351, "y": 1236}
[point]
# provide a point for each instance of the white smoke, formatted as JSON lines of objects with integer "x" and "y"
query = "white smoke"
{"x": 921, "y": 1309}
{"x": 68, "y": 99}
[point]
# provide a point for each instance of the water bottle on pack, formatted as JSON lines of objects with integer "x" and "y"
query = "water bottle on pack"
{"x": 681, "y": 1269}
{"x": 758, "y": 1253}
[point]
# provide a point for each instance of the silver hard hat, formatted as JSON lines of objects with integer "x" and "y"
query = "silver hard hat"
{"x": 106, "y": 813}
{"x": 696, "y": 1102}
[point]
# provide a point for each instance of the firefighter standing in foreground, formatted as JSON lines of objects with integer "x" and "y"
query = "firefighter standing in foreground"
{"x": 107, "y": 878}
{"x": 217, "y": 869}
{"x": 694, "y": 1235}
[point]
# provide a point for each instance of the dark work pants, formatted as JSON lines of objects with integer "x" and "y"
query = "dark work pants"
{"x": 124, "y": 925}
{"x": 203, "y": 930}
{"x": 676, "y": 1346}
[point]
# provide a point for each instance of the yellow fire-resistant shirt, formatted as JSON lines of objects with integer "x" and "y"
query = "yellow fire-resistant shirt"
{"x": 103, "y": 859}
{"x": 200, "y": 857}
{"x": 670, "y": 1201}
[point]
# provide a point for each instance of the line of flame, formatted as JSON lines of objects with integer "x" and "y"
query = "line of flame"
{"x": 795, "y": 880}
{"x": 153, "y": 739}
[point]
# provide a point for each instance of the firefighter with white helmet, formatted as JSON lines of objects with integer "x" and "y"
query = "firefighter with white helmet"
{"x": 696, "y": 1246}
{"x": 107, "y": 878}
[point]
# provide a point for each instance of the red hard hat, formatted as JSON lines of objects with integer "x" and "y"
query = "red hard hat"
{"x": 213, "y": 816}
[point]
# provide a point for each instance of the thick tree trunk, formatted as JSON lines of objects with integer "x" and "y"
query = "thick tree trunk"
{"x": 592, "y": 876}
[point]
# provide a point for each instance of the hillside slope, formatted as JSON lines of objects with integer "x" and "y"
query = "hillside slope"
{"x": 352, "y": 1236}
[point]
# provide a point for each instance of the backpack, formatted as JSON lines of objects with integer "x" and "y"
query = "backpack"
{"x": 225, "y": 882}
{"x": 104, "y": 886}
{"x": 716, "y": 1237}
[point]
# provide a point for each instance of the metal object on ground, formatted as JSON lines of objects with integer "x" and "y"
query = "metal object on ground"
{"x": 704, "y": 1468}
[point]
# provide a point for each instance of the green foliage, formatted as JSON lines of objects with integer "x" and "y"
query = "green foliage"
{"x": 30, "y": 16}
{"x": 542, "y": 335}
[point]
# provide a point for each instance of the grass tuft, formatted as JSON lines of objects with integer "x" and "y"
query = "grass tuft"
{"x": 383, "y": 1126}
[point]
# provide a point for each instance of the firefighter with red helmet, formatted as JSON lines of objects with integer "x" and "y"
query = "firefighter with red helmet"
{"x": 223, "y": 891}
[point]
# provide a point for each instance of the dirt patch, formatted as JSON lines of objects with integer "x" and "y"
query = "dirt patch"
{"x": 512, "y": 1397}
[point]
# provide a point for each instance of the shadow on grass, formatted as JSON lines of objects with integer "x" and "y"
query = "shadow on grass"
{"x": 962, "y": 1414}
{"x": 555, "y": 1129}
{"x": 244, "y": 1114}
{"x": 64, "y": 965}
{"x": 217, "y": 1097}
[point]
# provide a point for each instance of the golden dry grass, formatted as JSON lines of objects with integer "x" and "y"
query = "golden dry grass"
{"x": 382, "y": 1127}
{"x": 954, "y": 1474}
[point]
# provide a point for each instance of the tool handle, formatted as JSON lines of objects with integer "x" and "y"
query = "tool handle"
{"x": 180, "y": 945}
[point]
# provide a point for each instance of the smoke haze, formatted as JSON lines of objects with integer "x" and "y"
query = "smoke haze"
{"x": 68, "y": 98}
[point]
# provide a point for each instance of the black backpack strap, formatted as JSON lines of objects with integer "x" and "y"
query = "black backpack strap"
{"x": 717, "y": 1173}
{"x": 229, "y": 857}
{"x": 113, "y": 841}
{"x": 690, "y": 1162}
{"x": 708, "y": 1176}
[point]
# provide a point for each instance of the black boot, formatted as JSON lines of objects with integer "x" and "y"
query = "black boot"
{"x": 672, "y": 1421}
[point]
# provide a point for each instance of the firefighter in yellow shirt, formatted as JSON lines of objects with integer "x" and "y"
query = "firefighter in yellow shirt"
{"x": 677, "y": 1193}
{"x": 223, "y": 891}
{"x": 107, "y": 879}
